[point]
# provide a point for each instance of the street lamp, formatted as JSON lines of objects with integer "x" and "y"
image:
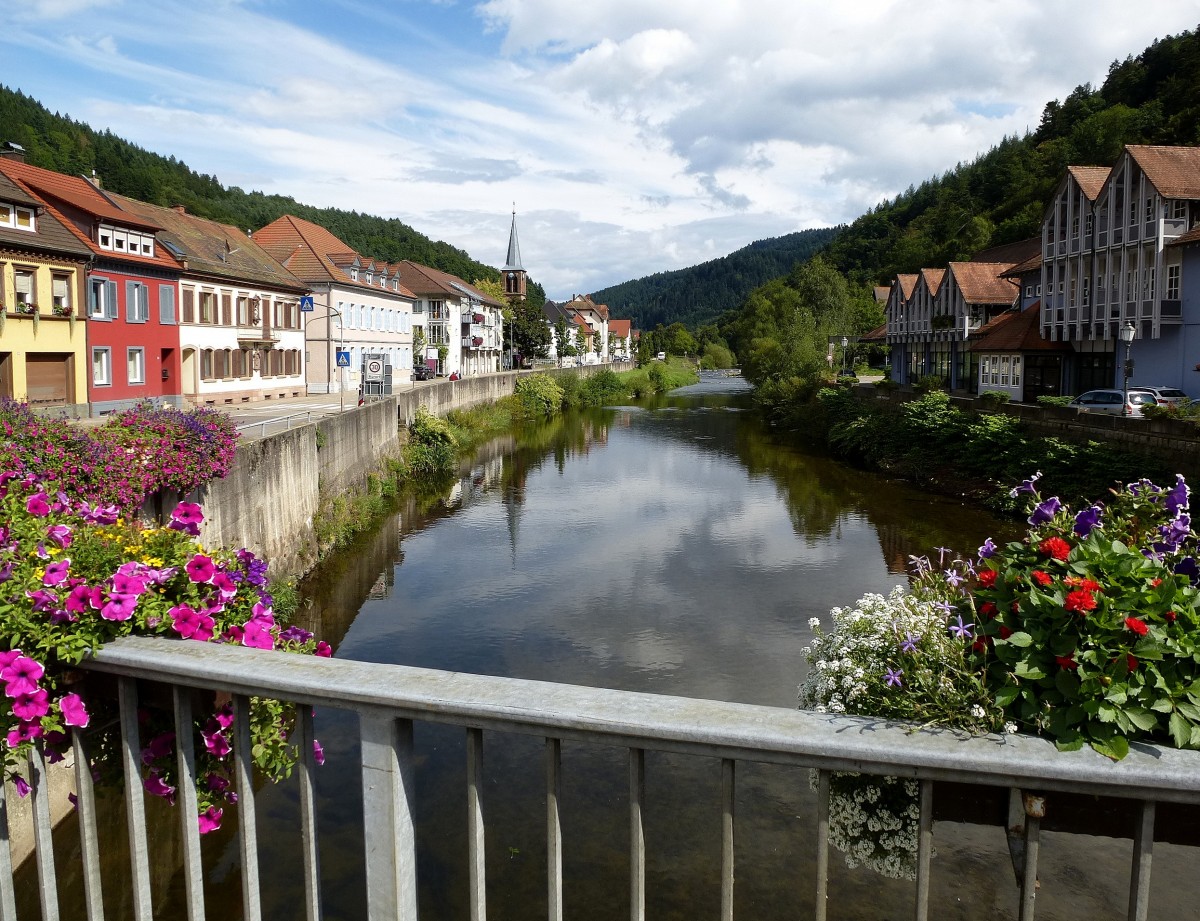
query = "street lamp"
{"x": 329, "y": 347}
{"x": 1128, "y": 332}
{"x": 845, "y": 343}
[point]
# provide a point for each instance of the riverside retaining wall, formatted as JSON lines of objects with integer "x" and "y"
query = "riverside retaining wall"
{"x": 269, "y": 499}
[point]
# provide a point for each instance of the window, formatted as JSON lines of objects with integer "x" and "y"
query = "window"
{"x": 118, "y": 240}
{"x": 60, "y": 294}
{"x": 102, "y": 366}
{"x": 1087, "y": 228}
{"x": 189, "y": 305}
{"x": 1016, "y": 371}
{"x": 102, "y": 299}
{"x": 1075, "y": 227}
{"x": 135, "y": 363}
{"x": 243, "y": 310}
{"x": 1029, "y": 290}
{"x": 23, "y": 279}
{"x": 166, "y": 305}
{"x": 206, "y": 364}
{"x": 346, "y": 315}
{"x": 1179, "y": 209}
{"x": 1087, "y": 291}
{"x": 1037, "y": 292}
{"x": 1149, "y": 210}
{"x": 137, "y": 302}
{"x": 984, "y": 368}
{"x": 1004, "y": 371}
{"x": 17, "y": 217}
{"x": 1133, "y": 214}
{"x": 1172, "y": 283}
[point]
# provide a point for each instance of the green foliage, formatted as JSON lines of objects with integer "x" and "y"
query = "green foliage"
{"x": 929, "y": 383}
{"x": 426, "y": 428}
{"x": 602, "y": 388}
{"x": 539, "y": 395}
{"x": 993, "y": 399}
{"x": 1092, "y": 623}
{"x": 698, "y": 295}
{"x": 716, "y": 357}
{"x": 1045, "y": 400}
{"x": 930, "y": 441}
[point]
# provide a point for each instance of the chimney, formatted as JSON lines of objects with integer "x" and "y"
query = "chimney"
{"x": 11, "y": 151}
{"x": 179, "y": 209}
{"x": 93, "y": 179}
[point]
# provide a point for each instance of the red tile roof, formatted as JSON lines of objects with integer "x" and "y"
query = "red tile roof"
{"x": 1090, "y": 180}
{"x": 211, "y": 248}
{"x": 1174, "y": 171}
{"x": 1010, "y": 252}
{"x": 983, "y": 282}
{"x": 878, "y": 334}
{"x": 620, "y": 328}
{"x": 49, "y": 234}
{"x": 908, "y": 284}
{"x": 312, "y": 253}
{"x": 66, "y": 196}
{"x": 423, "y": 281}
{"x": 933, "y": 279}
{"x": 1015, "y": 331}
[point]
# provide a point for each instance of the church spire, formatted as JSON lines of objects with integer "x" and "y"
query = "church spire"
{"x": 513, "y": 271}
{"x": 513, "y": 262}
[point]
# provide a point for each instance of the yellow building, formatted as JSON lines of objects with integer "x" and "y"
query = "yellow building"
{"x": 43, "y": 340}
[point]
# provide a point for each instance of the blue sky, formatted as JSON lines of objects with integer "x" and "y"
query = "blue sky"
{"x": 634, "y": 136}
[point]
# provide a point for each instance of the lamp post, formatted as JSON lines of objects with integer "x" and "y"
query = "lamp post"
{"x": 329, "y": 347}
{"x": 845, "y": 343}
{"x": 1128, "y": 332}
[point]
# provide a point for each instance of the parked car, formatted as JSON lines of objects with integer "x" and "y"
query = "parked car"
{"x": 1112, "y": 402}
{"x": 661, "y": 356}
{"x": 1169, "y": 396}
{"x": 423, "y": 373}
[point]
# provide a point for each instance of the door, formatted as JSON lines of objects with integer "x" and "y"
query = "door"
{"x": 47, "y": 378}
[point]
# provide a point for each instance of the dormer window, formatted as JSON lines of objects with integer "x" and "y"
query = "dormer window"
{"x": 120, "y": 240}
{"x": 17, "y": 217}
{"x": 370, "y": 279}
{"x": 353, "y": 273}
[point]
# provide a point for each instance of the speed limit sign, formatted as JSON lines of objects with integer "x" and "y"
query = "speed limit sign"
{"x": 373, "y": 369}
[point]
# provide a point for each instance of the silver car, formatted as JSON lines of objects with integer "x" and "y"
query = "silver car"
{"x": 1113, "y": 402}
{"x": 1169, "y": 396}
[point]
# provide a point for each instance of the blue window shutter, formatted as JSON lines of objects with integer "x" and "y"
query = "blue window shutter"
{"x": 130, "y": 301}
{"x": 110, "y": 299}
{"x": 166, "y": 305}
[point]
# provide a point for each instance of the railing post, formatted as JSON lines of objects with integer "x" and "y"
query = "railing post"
{"x": 390, "y": 842}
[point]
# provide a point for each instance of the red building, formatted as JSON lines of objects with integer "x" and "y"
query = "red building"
{"x": 132, "y": 315}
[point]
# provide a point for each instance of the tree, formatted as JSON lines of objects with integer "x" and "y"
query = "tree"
{"x": 418, "y": 345}
{"x": 561, "y": 340}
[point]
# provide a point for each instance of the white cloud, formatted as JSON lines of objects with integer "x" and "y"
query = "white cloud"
{"x": 636, "y": 135}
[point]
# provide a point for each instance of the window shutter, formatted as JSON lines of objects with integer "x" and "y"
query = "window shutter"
{"x": 131, "y": 301}
{"x": 189, "y": 306}
{"x": 110, "y": 300}
{"x": 92, "y": 287}
{"x": 226, "y": 310}
{"x": 166, "y": 305}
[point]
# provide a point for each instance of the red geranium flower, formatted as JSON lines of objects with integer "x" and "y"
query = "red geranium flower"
{"x": 988, "y": 609}
{"x": 1067, "y": 661}
{"x": 1005, "y": 632}
{"x": 987, "y": 577}
{"x": 1080, "y": 600}
{"x": 1136, "y": 626}
{"x": 1041, "y": 578}
{"x": 1171, "y": 615}
{"x": 1055, "y": 547}
{"x": 1131, "y": 663}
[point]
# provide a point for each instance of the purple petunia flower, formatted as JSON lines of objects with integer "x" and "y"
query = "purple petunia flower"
{"x": 38, "y": 505}
{"x": 21, "y": 676}
{"x": 1045, "y": 511}
{"x": 1087, "y": 520}
{"x": 1027, "y": 486}
{"x": 988, "y": 550}
{"x": 210, "y": 819}
{"x": 156, "y": 786}
{"x": 59, "y": 534}
{"x": 294, "y": 634}
{"x": 318, "y": 752}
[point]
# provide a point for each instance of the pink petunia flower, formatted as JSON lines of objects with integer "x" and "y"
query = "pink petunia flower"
{"x": 217, "y": 743}
{"x": 21, "y": 676}
{"x": 156, "y": 786}
{"x": 200, "y": 568}
{"x": 38, "y": 505}
{"x": 324, "y": 650}
{"x": 257, "y": 635}
{"x": 210, "y": 819}
{"x": 31, "y": 706}
{"x": 59, "y": 534}
{"x": 73, "y": 711}
{"x": 119, "y": 607}
{"x": 318, "y": 752}
{"x": 56, "y": 573}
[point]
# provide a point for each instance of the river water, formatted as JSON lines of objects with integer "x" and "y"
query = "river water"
{"x": 671, "y": 547}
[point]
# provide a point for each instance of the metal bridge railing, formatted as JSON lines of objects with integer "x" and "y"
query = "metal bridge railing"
{"x": 390, "y": 699}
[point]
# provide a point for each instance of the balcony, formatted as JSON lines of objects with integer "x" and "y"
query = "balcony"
{"x": 472, "y": 342}
{"x": 388, "y": 702}
{"x": 257, "y": 336}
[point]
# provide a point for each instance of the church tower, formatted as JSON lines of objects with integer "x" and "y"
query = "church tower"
{"x": 513, "y": 271}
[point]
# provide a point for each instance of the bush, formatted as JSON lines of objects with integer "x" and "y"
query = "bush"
{"x": 602, "y": 388}
{"x": 428, "y": 429}
{"x": 1053, "y": 401}
{"x": 929, "y": 383}
{"x": 886, "y": 383}
{"x": 539, "y": 395}
{"x": 658, "y": 377}
{"x": 993, "y": 399}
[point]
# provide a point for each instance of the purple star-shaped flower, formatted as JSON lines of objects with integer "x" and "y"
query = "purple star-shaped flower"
{"x": 961, "y": 630}
{"x": 893, "y": 677}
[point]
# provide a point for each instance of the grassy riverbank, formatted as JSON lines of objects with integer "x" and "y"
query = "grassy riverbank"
{"x": 977, "y": 456}
{"x": 436, "y": 447}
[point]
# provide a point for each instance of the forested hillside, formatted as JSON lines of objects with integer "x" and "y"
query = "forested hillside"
{"x": 59, "y": 143}
{"x": 698, "y": 295}
{"x": 1000, "y": 197}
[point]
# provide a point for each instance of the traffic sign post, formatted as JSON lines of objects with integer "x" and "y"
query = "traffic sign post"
{"x": 306, "y": 304}
{"x": 343, "y": 358}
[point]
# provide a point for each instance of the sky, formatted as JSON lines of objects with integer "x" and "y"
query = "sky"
{"x": 630, "y": 136}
